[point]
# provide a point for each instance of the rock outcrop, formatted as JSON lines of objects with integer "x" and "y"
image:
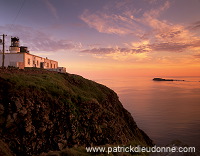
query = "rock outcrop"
{"x": 42, "y": 111}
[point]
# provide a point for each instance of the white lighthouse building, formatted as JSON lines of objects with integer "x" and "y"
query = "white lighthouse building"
{"x": 20, "y": 57}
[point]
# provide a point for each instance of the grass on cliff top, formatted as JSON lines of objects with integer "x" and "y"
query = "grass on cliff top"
{"x": 57, "y": 84}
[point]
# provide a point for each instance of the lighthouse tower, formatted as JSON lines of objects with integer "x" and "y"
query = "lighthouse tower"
{"x": 14, "y": 48}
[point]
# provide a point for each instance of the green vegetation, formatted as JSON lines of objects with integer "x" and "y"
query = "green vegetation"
{"x": 57, "y": 84}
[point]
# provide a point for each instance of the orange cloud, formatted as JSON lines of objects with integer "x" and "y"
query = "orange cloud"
{"x": 126, "y": 21}
{"x": 105, "y": 23}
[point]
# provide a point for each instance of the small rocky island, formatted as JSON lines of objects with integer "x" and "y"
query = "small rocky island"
{"x": 161, "y": 79}
{"x": 42, "y": 111}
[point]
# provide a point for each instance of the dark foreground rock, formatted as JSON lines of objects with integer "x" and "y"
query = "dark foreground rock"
{"x": 41, "y": 111}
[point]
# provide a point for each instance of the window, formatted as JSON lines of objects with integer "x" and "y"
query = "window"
{"x": 29, "y": 61}
{"x": 54, "y": 66}
{"x": 37, "y": 63}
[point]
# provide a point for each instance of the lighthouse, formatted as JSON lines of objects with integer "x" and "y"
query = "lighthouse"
{"x": 14, "y": 48}
{"x": 19, "y": 57}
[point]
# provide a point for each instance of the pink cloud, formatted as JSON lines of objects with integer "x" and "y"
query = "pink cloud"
{"x": 122, "y": 18}
{"x": 108, "y": 21}
{"x": 37, "y": 40}
{"x": 111, "y": 24}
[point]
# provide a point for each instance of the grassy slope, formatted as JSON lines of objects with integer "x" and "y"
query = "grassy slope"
{"x": 56, "y": 83}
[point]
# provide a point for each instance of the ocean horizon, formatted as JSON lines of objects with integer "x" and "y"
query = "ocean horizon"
{"x": 165, "y": 110}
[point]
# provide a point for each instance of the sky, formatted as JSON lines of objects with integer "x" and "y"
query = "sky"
{"x": 109, "y": 38}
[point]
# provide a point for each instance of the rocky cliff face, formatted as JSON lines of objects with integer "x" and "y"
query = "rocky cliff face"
{"x": 42, "y": 111}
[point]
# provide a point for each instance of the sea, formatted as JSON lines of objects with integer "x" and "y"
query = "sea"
{"x": 165, "y": 110}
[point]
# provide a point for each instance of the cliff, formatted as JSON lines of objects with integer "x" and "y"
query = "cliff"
{"x": 42, "y": 111}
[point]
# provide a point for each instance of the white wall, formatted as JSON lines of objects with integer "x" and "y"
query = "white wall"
{"x": 11, "y": 58}
{"x": 50, "y": 64}
{"x": 35, "y": 61}
{"x": 29, "y": 60}
{"x": 32, "y": 60}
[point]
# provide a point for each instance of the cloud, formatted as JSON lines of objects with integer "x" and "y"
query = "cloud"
{"x": 112, "y": 50}
{"x": 100, "y": 22}
{"x": 51, "y": 7}
{"x": 99, "y": 50}
{"x": 164, "y": 37}
{"x": 39, "y": 41}
{"x": 122, "y": 18}
{"x": 116, "y": 18}
{"x": 171, "y": 37}
{"x": 195, "y": 26}
{"x": 138, "y": 51}
{"x": 173, "y": 40}
{"x": 157, "y": 12}
{"x": 170, "y": 47}
{"x": 197, "y": 56}
{"x": 135, "y": 48}
{"x": 120, "y": 54}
